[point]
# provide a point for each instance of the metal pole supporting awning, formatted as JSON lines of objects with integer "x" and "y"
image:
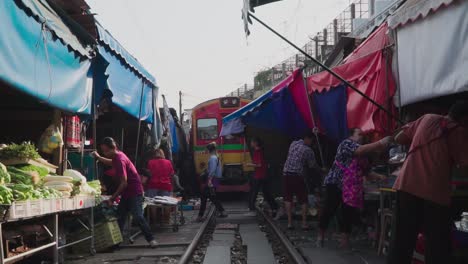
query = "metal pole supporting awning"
{"x": 348, "y": 84}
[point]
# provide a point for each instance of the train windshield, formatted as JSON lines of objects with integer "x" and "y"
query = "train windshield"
{"x": 207, "y": 128}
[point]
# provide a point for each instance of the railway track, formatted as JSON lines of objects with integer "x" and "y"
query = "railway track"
{"x": 240, "y": 238}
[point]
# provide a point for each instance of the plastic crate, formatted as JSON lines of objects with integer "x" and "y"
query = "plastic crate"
{"x": 35, "y": 207}
{"x": 90, "y": 201}
{"x": 57, "y": 205}
{"x": 68, "y": 204}
{"x": 79, "y": 202}
{"x": 18, "y": 210}
{"x": 106, "y": 235}
{"x": 47, "y": 206}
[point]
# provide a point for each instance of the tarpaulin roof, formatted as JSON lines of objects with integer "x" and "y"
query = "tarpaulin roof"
{"x": 44, "y": 13}
{"x": 34, "y": 62}
{"x": 126, "y": 87}
{"x": 413, "y": 10}
{"x": 114, "y": 46}
{"x": 433, "y": 55}
{"x": 365, "y": 69}
{"x": 284, "y": 109}
{"x": 126, "y": 78}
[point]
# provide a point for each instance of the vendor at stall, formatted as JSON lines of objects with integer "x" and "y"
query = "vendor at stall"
{"x": 436, "y": 143}
{"x": 344, "y": 182}
{"x": 130, "y": 188}
{"x": 161, "y": 171}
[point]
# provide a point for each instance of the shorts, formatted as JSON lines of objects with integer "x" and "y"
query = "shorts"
{"x": 294, "y": 185}
{"x": 156, "y": 192}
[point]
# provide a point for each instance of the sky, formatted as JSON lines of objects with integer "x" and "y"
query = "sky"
{"x": 199, "y": 46}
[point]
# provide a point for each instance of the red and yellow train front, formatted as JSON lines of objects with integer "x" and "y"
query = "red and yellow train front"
{"x": 233, "y": 151}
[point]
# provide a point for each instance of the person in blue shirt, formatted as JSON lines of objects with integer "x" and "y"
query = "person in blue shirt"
{"x": 215, "y": 173}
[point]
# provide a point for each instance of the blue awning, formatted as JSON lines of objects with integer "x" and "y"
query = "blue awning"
{"x": 126, "y": 87}
{"x": 283, "y": 109}
{"x": 34, "y": 62}
{"x": 44, "y": 13}
{"x": 126, "y": 78}
{"x": 107, "y": 40}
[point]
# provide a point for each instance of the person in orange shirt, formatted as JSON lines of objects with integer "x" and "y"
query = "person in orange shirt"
{"x": 436, "y": 144}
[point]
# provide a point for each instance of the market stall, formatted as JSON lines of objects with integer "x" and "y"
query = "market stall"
{"x": 33, "y": 193}
{"x": 40, "y": 86}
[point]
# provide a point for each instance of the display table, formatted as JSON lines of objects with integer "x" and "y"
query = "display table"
{"x": 53, "y": 220}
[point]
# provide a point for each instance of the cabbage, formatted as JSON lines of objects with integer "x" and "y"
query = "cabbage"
{"x": 76, "y": 175}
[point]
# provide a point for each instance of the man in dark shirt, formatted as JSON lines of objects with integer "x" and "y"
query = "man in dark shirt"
{"x": 130, "y": 188}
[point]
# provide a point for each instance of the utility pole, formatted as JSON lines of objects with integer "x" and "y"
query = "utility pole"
{"x": 180, "y": 107}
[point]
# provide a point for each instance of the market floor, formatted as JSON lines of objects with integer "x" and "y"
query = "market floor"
{"x": 362, "y": 252}
{"x": 171, "y": 244}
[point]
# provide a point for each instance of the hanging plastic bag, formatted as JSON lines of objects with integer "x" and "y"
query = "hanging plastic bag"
{"x": 50, "y": 140}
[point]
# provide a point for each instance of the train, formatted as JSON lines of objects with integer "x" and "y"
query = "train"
{"x": 233, "y": 150}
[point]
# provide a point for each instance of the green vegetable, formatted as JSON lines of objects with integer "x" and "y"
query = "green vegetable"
{"x": 96, "y": 185}
{"x": 41, "y": 170}
{"x": 4, "y": 175}
{"x": 6, "y": 195}
{"x": 19, "y": 176}
{"x": 25, "y": 150}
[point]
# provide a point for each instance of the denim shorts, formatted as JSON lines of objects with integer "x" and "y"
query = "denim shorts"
{"x": 157, "y": 192}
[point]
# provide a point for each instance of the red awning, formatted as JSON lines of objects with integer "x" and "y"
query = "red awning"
{"x": 365, "y": 69}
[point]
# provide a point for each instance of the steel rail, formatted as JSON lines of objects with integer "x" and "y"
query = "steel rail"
{"x": 290, "y": 248}
{"x": 196, "y": 240}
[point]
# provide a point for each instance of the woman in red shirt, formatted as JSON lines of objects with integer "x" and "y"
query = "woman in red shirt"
{"x": 161, "y": 170}
{"x": 259, "y": 181}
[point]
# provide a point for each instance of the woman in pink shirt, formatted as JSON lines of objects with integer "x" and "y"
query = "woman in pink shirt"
{"x": 161, "y": 170}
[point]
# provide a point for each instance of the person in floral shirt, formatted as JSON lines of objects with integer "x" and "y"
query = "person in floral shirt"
{"x": 350, "y": 164}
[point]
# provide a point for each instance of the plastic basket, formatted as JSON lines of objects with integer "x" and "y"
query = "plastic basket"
{"x": 18, "y": 210}
{"x": 106, "y": 235}
{"x": 35, "y": 207}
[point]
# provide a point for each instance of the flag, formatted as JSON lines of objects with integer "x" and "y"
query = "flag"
{"x": 249, "y": 7}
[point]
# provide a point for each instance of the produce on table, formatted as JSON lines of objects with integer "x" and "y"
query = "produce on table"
{"x": 23, "y": 192}
{"x": 4, "y": 175}
{"x": 59, "y": 186}
{"x": 23, "y": 177}
{"x": 78, "y": 178}
{"x": 6, "y": 195}
{"x": 41, "y": 170}
{"x": 25, "y": 150}
{"x": 96, "y": 185}
{"x": 49, "y": 193}
{"x": 50, "y": 178}
{"x": 62, "y": 184}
